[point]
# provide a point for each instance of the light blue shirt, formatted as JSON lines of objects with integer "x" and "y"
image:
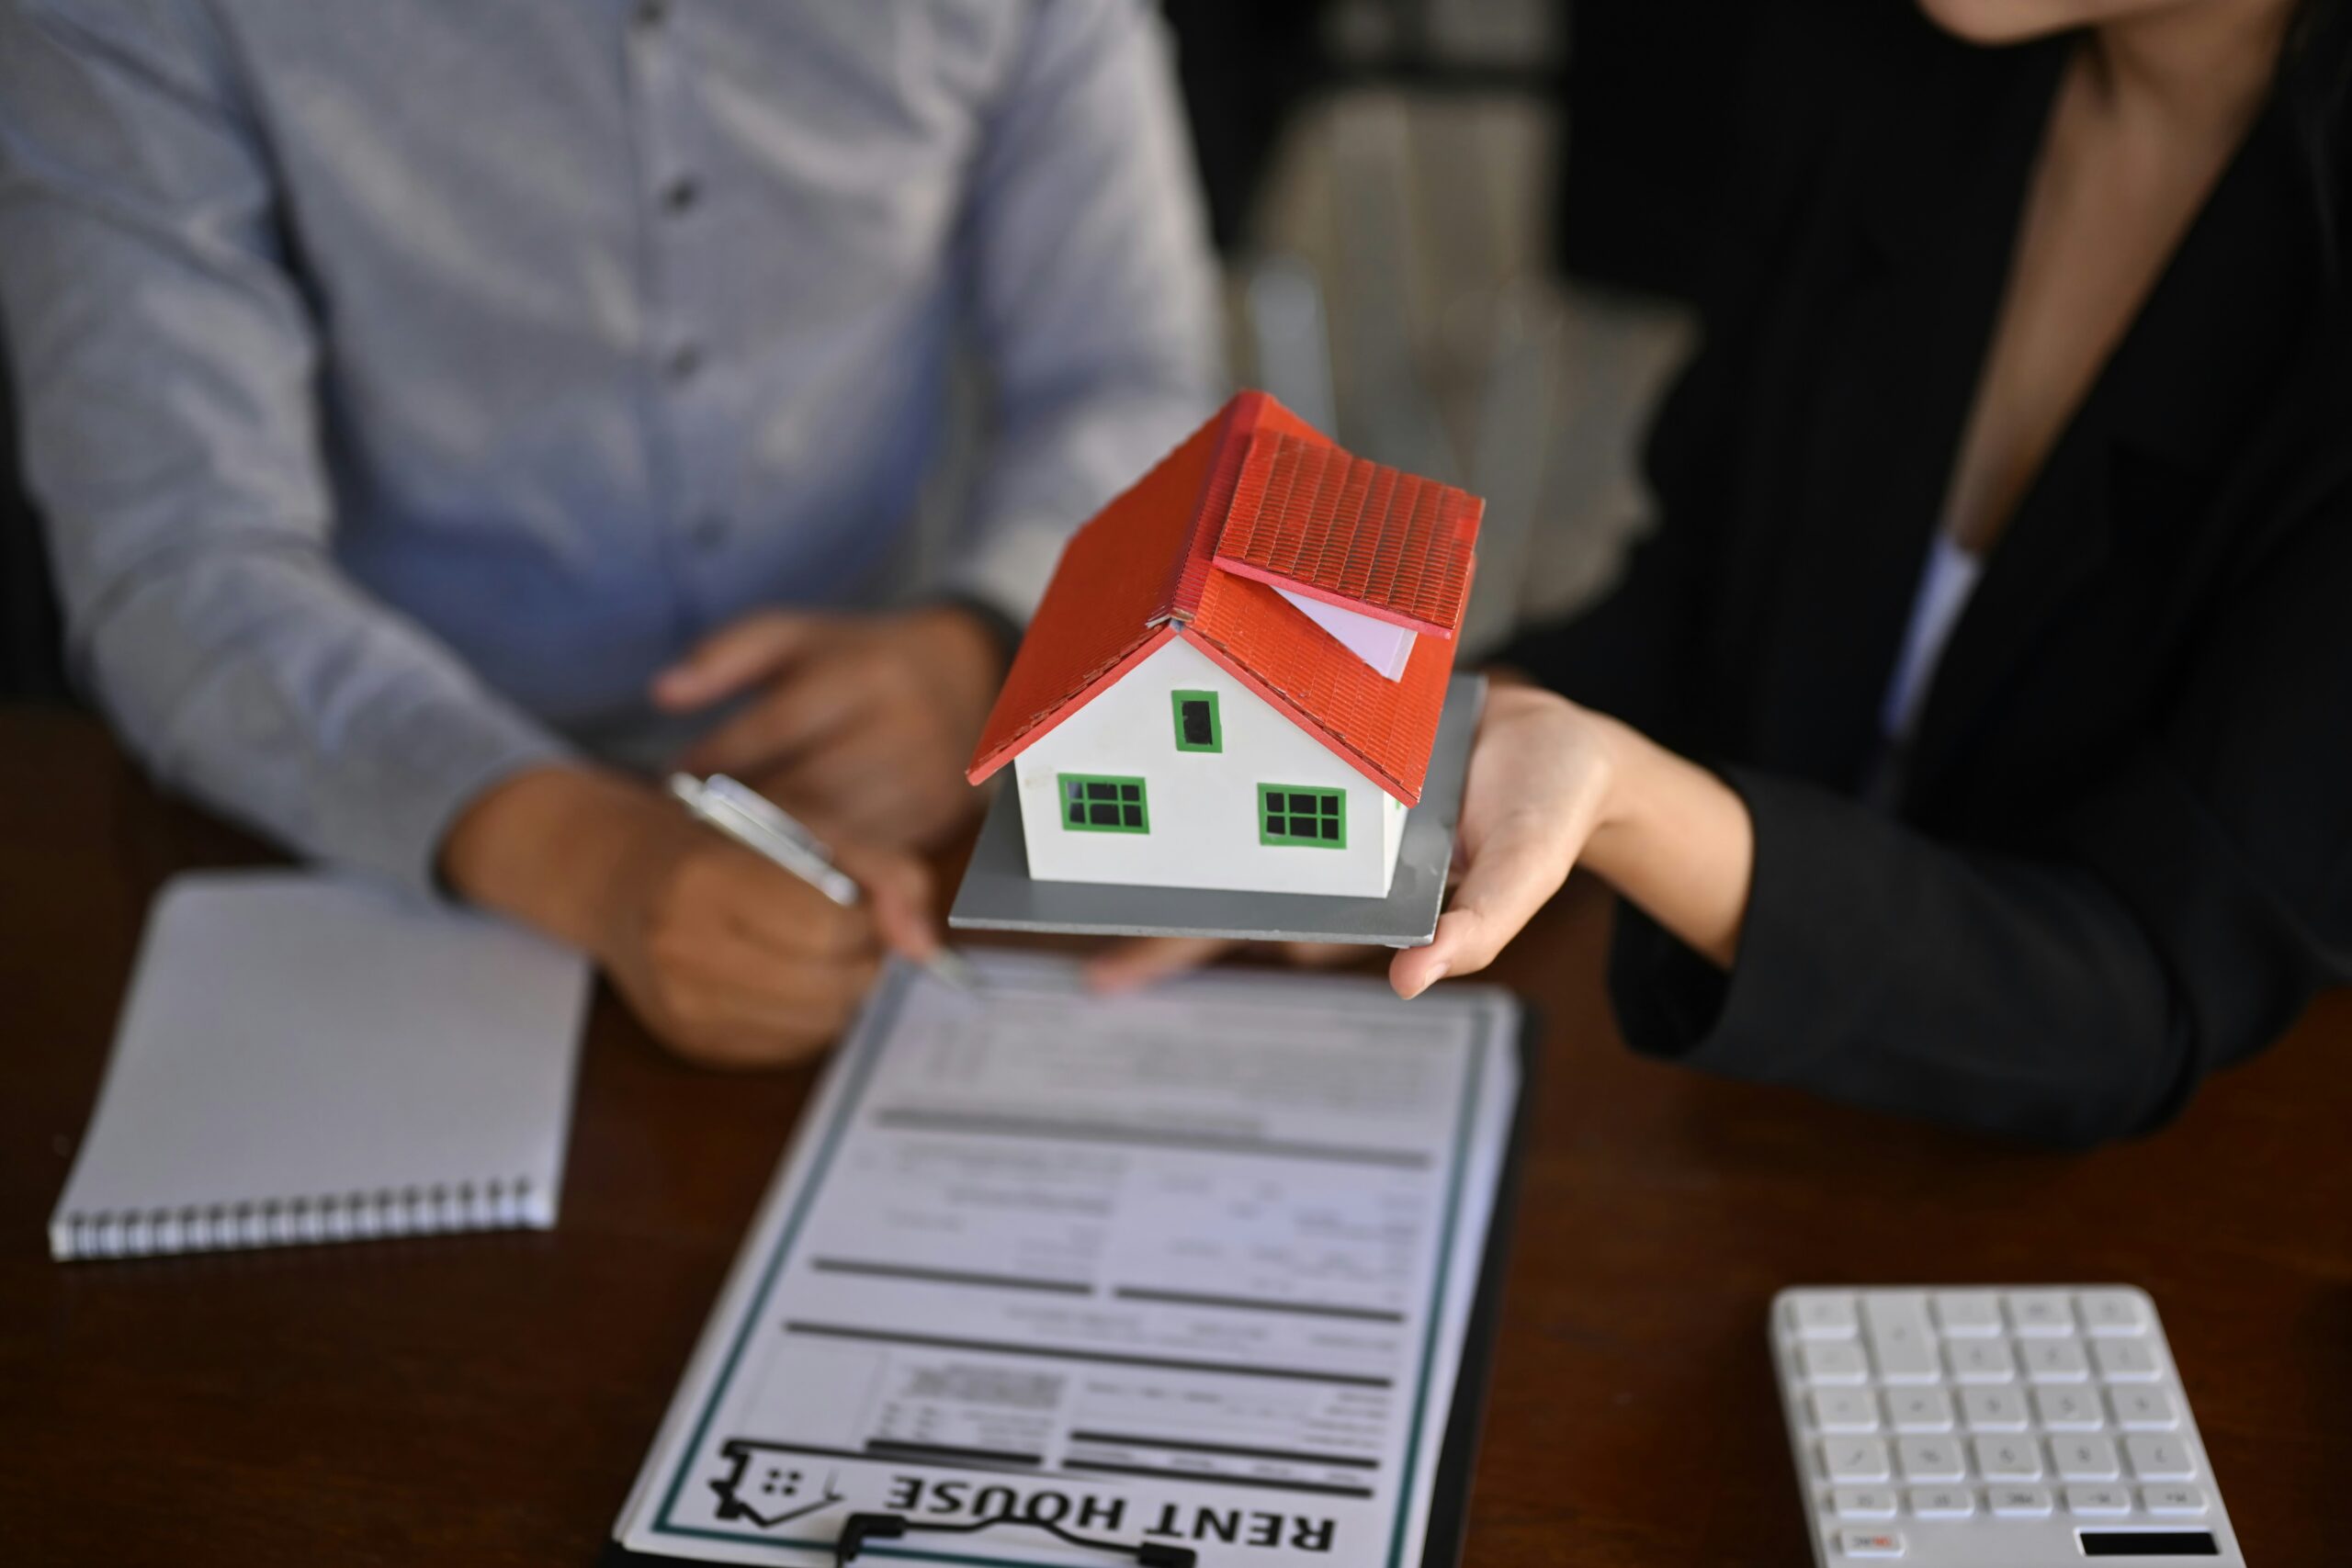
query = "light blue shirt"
{"x": 403, "y": 382}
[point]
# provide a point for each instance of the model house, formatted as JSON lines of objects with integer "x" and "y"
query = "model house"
{"x": 1235, "y": 677}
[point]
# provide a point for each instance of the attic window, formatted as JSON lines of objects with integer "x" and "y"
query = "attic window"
{"x": 1384, "y": 645}
{"x": 1289, "y": 815}
{"x": 1197, "y": 729}
{"x": 1094, "y": 803}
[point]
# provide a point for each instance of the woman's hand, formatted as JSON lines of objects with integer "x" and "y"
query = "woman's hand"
{"x": 1539, "y": 777}
{"x": 1544, "y": 776}
{"x": 1551, "y": 786}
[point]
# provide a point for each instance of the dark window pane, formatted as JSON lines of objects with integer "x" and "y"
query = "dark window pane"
{"x": 1196, "y": 723}
{"x": 1331, "y": 805}
{"x": 1133, "y": 815}
{"x": 1331, "y": 828}
{"x": 1101, "y": 791}
{"x": 1274, "y": 800}
{"x": 1302, "y": 803}
{"x": 1103, "y": 815}
{"x": 1302, "y": 827}
{"x": 1273, "y": 826}
{"x": 1131, "y": 792}
{"x": 1077, "y": 813}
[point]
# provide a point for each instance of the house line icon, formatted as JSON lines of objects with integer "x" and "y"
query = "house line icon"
{"x": 1235, "y": 677}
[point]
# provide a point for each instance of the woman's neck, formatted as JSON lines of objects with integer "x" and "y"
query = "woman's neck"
{"x": 2196, "y": 71}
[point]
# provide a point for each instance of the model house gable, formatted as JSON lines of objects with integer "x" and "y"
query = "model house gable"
{"x": 1127, "y": 791}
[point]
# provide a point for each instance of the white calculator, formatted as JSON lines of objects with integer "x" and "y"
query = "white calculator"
{"x": 2015, "y": 1427}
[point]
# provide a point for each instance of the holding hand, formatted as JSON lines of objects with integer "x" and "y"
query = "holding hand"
{"x": 860, "y": 725}
{"x": 1551, "y": 785}
{"x": 730, "y": 960}
{"x": 1540, "y": 784}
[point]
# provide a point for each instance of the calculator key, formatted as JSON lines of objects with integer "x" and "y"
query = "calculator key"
{"x": 2068, "y": 1409}
{"x": 2109, "y": 1314}
{"x": 2006, "y": 1458}
{"x": 2097, "y": 1502}
{"x": 2159, "y": 1458}
{"x": 2020, "y": 1502}
{"x": 1900, "y": 1342}
{"x": 1855, "y": 1458}
{"x": 1833, "y": 1361}
{"x": 2125, "y": 1360}
{"x": 1930, "y": 1459}
{"x": 2174, "y": 1500}
{"x": 1844, "y": 1410}
{"x": 2144, "y": 1409}
{"x": 2085, "y": 1458}
{"x": 1942, "y": 1502}
{"x": 2041, "y": 1314}
{"x": 2056, "y": 1360}
{"x": 1869, "y": 1543}
{"x": 1862, "y": 1502}
{"x": 1968, "y": 1315}
{"x": 1821, "y": 1315}
{"x": 1993, "y": 1409}
{"x": 1919, "y": 1409}
{"x": 1981, "y": 1361}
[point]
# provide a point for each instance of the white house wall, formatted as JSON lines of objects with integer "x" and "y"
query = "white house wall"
{"x": 1204, "y": 805}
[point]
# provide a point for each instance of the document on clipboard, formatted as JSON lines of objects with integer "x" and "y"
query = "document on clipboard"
{"x": 1196, "y": 1266}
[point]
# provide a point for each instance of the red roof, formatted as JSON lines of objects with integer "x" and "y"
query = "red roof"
{"x": 1257, "y": 497}
{"x": 1322, "y": 523}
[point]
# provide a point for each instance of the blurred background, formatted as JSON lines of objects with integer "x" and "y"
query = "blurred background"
{"x": 1464, "y": 236}
{"x": 1461, "y": 235}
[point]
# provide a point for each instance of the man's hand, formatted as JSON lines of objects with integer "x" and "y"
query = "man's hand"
{"x": 730, "y": 960}
{"x": 862, "y": 724}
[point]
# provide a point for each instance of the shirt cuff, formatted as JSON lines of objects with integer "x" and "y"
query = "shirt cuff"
{"x": 386, "y": 809}
{"x": 1008, "y": 570}
{"x": 1764, "y": 1019}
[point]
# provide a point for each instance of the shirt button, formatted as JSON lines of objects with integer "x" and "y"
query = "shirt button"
{"x": 681, "y": 194}
{"x": 684, "y": 360}
{"x": 707, "y": 532}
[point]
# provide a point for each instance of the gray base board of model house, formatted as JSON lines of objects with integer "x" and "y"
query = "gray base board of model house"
{"x": 998, "y": 894}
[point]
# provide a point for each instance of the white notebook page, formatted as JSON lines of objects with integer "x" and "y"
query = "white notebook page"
{"x": 302, "y": 1059}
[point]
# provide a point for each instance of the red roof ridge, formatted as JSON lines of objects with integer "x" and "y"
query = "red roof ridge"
{"x": 1249, "y": 419}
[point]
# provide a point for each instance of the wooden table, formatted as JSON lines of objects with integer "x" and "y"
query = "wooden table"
{"x": 485, "y": 1400}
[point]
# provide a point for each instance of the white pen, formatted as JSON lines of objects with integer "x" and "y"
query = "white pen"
{"x": 766, "y": 829}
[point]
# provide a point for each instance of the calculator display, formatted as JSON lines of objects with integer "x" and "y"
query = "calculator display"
{"x": 2150, "y": 1543}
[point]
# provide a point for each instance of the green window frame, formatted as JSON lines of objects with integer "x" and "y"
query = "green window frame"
{"x": 1308, "y": 817}
{"x": 1184, "y": 741}
{"x": 1103, "y": 803}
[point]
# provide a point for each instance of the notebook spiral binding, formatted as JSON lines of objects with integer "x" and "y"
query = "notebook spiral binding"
{"x": 434, "y": 1208}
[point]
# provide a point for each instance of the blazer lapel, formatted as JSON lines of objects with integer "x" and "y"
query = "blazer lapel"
{"x": 1899, "y": 367}
{"x": 2161, "y": 421}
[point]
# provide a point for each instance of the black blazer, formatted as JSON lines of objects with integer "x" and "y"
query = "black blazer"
{"x": 2123, "y": 853}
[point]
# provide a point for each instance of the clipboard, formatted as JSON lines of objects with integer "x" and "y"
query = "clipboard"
{"x": 1448, "y": 1521}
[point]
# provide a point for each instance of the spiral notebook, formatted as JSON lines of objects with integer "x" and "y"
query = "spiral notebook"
{"x": 306, "y": 1059}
